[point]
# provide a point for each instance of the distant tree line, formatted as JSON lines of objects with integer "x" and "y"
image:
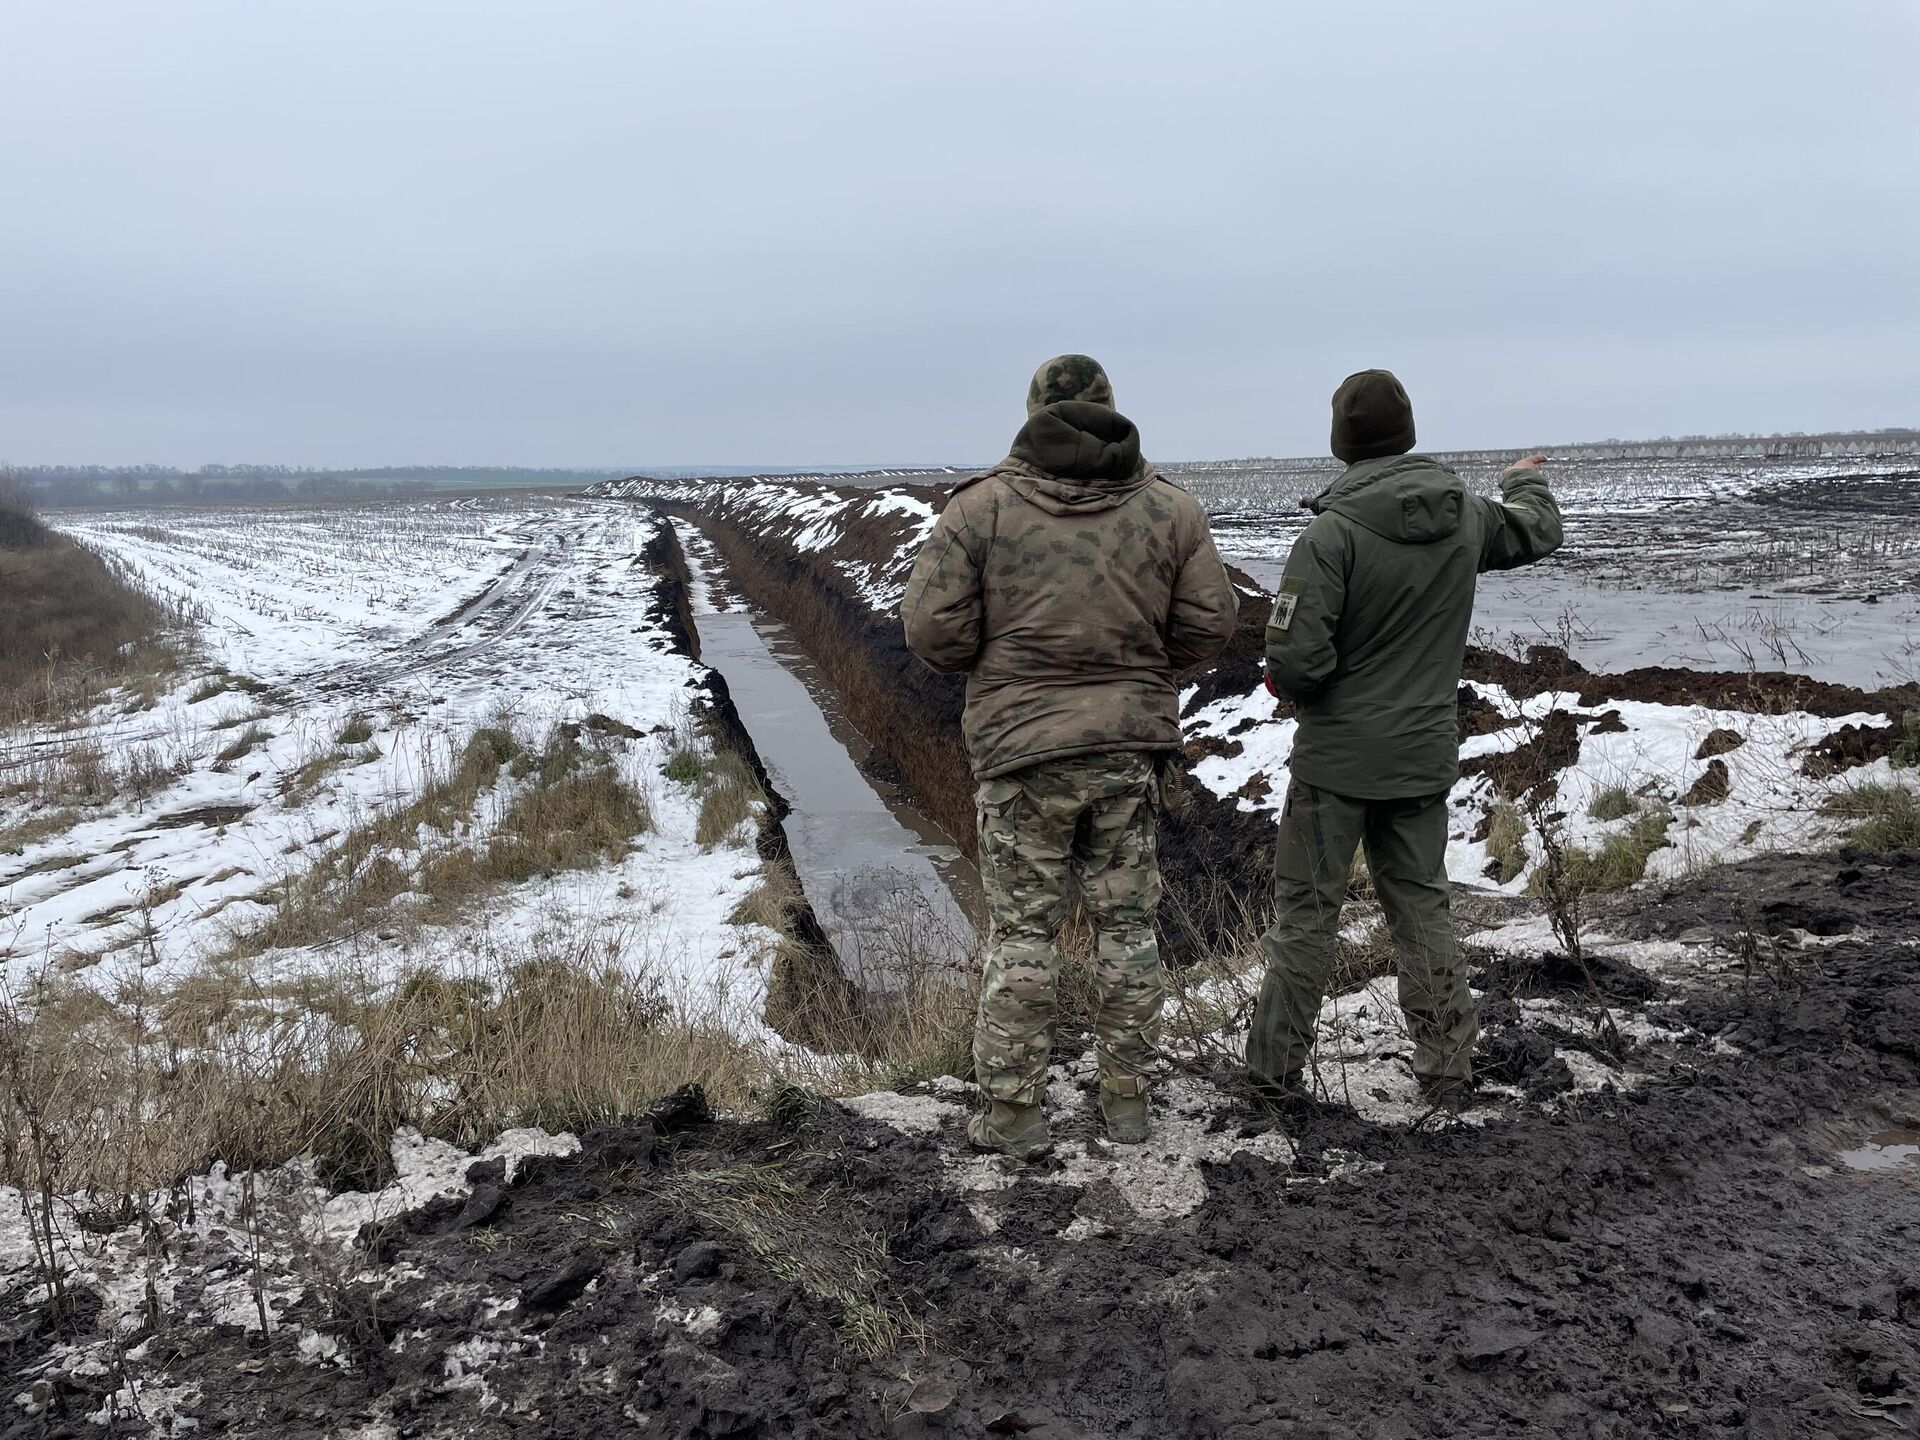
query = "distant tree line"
{"x": 1797, "y": 445}
{"x": 1794, "y": 445}
{"x": 67, "y": 487}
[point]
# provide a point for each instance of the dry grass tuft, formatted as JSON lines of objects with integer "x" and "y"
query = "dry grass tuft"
{"x": 78, "y": 773}
{"x": 129, "y": 1094}
{"x": 1885, "y": 817}
{"x": 773, "y": 904}
{"x": 76, "y": 627}
{"x": 730, "y": 796}
{"x": 241, "y": 745}
{"x": 1906, "y": 754}
{"x": 812, "y": 1240}
{"x": 685, "y": 766}
{"x": 37, "y": 827}
{"x": 1621, "y": 859}
{"x": 1616, "y": 802}
{"x": 1507, "y": 841}
{"x": 569, "y": 808}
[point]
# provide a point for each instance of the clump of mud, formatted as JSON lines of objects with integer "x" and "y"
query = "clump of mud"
{"x": 1680, "y": 1256}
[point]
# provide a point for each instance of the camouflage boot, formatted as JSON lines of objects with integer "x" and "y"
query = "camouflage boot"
{"x": 1126, "y": 1117}
{"x": 1016, "y": 1130}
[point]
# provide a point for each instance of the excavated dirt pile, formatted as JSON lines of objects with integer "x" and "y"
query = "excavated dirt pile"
{"x": 1687, "y": 1257}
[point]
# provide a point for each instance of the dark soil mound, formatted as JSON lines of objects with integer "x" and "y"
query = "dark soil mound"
{"x": 1679, "y": 1260}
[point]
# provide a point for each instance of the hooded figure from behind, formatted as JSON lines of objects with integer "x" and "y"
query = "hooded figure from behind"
{"x": 1070, "y": 583}
{"x": 1367, "y": 637}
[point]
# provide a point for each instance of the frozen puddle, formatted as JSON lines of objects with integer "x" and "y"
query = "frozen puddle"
{"x": 869, "y": 863}
{"x": 1887, "y": 1150}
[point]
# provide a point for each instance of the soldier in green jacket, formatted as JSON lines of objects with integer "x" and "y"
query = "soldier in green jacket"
{"x": 1069, "y": 583}
{"x": 1367, "y": 638}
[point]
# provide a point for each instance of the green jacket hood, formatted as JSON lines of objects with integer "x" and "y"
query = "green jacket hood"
{"x": 1412, "y": 499}
{"x": 1075, "y": 457}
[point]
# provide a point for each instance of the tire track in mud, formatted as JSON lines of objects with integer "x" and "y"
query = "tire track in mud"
{"x": 535, "y": 573}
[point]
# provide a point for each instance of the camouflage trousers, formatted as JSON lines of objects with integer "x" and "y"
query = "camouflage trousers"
{"x": 1088, "y": 825}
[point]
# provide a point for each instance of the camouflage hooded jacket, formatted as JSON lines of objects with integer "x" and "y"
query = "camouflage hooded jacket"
{"x": 1069, "y": 583}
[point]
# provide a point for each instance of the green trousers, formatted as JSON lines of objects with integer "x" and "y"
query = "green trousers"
{"x": 1406, "y": 844}
{"x": 1087, "y": 826}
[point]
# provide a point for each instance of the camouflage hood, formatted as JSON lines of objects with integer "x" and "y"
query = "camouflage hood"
{"x": 1408, "y": 498}
{"x": 1074, "y": 458}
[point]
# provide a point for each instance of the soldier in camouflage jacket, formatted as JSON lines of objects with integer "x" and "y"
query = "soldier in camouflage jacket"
{"x": 1069, "y": 583}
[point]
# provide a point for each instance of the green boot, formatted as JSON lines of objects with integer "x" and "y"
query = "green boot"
{"x": 1289, "y": 1092}
{"x": 1016, "y": 1130}
{"x": 1448, "y": 1094}
{"x": 1126, "y": 1117}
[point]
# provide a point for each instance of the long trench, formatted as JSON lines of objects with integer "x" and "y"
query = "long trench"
{"x": 882, "y": 879}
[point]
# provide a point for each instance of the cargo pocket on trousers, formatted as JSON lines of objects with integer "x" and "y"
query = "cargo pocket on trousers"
{"x": 994, "y": 805}
{"x": 1294, "y": 851}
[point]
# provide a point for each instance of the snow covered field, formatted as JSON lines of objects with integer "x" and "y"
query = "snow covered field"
{"x": 347, "y": 653}
{"x": 817, "y": 518}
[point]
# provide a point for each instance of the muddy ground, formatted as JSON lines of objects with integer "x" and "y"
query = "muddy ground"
{"x": 1684, "y": 1258}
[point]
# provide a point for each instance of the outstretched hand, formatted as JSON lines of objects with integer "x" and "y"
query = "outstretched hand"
{"x": 1531, "y": 462}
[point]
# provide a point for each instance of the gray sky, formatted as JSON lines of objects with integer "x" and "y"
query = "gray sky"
{"x": 614, "y": 232}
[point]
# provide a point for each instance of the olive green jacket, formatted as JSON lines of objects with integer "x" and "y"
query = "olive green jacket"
{"x": 1369, "y": 628}
{"x": 1069, "y": 583}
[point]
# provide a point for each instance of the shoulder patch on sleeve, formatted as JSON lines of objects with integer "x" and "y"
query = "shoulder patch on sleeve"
{"x": 1284, "y": 604}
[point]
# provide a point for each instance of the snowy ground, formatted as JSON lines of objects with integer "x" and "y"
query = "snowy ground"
{"x": 423, "y": 619}
{"x": 229, "y": 1250}
{"x": 1803, "y": 566}
{"x": 1651, "y": 751}
{"x": 1737, "y": 565}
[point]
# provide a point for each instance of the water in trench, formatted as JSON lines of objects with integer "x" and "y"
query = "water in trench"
{"x": 885, "y": 881}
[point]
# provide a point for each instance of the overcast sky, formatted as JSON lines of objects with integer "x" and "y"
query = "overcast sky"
{"x": 621, "y": 233}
